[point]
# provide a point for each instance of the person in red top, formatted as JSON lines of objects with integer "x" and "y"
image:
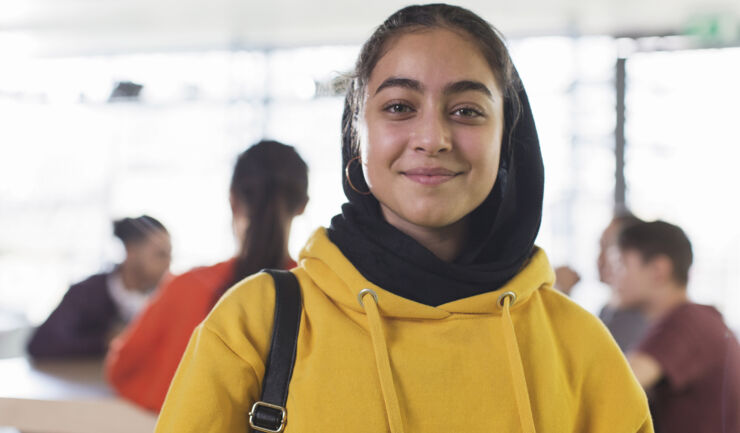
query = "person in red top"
{"x": 269, "y": 188}
{"x": 688, "y": 361}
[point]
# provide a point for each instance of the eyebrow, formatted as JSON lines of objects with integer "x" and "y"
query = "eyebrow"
{"x": 467, "y": 86}
{"x": 406, "y": 83}
{"x": 456, "y": 87}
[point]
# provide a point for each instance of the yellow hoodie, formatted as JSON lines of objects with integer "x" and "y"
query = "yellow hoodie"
{"x": 539, "y": 363}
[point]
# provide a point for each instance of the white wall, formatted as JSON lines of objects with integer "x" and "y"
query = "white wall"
{"x": 80, "y": 27}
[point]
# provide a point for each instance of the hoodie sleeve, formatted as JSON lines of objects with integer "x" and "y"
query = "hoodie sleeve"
{"x": 611, "y": 398}
{"x": 219, "y": 376}
{"x": 211, "y": 391}
{"x": 607, "y": 396}
{"x": 647, "y": 426}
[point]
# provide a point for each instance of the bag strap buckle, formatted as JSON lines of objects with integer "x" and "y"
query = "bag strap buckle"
{"x": 259, "y": 414}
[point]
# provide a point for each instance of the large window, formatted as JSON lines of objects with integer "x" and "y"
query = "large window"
{"x": 71, "y": 160}
{"x": 683, "y": 149}
{"x": 570, "y": 86}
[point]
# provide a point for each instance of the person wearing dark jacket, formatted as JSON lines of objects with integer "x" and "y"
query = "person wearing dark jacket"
{"x": 93, "y": 310}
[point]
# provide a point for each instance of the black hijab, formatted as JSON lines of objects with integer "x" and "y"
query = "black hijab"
{"x": 503, "y": 228}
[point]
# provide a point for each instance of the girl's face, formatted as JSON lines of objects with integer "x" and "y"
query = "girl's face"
{"x": 150, "y": 258}
{"x": 431, "y": 129}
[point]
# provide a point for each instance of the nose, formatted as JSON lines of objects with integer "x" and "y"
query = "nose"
{"x": 432, "y": 134}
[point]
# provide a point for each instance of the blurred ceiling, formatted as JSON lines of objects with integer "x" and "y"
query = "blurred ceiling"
{"x": 73, "y": 27}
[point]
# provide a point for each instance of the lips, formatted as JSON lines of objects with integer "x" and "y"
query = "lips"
{"x": 430, "y": 175}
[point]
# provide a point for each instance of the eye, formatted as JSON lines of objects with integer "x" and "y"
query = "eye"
{"x": 468, "y": 112}
{"x": 398, "y": 107}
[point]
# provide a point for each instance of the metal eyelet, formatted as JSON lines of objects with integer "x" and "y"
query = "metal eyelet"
{"x": 502, "y": 298}
{"x": 362, "y": 294}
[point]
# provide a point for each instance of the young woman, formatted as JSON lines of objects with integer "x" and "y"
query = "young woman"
{"x": 93, "y": 310}
{"x": 269, "y": 188}
{"x": 426, "y": 305}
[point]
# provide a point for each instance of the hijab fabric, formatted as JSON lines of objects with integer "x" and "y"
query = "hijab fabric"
{"x": 502, "y": 229}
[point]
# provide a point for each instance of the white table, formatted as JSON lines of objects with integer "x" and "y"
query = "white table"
{"x": 65, "y": 397}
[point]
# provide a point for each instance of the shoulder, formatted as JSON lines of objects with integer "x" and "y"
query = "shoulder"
{"x": 202, "y": 277}
{"x": 243, "y": 317}
{"x": 92, "y": 282}
{"x": 594, "y": 362}
{"x": 567, "y": 316}
{"x": 701, "y": 318}
{"x": 250, "y": 301}
{"x": 582, "y": 337}
{"x": 93, "y": 286}
{"x": 690, "y": 322}
{"x": 703, "y": 314}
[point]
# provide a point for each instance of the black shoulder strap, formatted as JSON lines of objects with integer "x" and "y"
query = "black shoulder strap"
{"x": 269, "y": 414}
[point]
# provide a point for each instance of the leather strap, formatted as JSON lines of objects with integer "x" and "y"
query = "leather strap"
{"x": 281, "y": 358}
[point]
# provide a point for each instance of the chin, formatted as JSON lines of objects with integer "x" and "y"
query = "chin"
{"x": 426, "y": 212}
{"x": 434, "y": 211}
{"x": 629, "y": 303}
{"x": 431, "y": 220}
{"x": 433, "y": 223}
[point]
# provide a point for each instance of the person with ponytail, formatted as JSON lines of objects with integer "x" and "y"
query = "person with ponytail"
{"x": 426, "y": 307}
{"x": 269, "y": 187}
{"x": 92, "y": 311}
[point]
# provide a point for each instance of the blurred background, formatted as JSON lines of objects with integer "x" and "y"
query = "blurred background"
{"x": 118, "y": 108}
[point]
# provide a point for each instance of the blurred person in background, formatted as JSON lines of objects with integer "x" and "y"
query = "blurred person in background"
{"x": 94, "y": 310}
{"x": 688, "y": 361}
{"x": 269, "y": 187}
{"x": 627, "y": 325}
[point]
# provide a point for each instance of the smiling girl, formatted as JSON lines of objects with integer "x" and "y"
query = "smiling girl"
{"x": 426, "y": 306}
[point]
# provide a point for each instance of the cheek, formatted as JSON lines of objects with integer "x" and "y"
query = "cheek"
{"x": 152, "y": 262}
{"x": 632, "y": 283}
{"x": 381, "y": 146}
{"x": 160, "y": 260}
{"x": 618, "y": 276}
{"x": 481, "y": 148}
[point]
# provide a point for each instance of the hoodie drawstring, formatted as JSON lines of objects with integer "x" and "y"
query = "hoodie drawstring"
{"x": 382, "y": 360}
{"x": 388, "y": 387}
{"x": 521, "y": 394}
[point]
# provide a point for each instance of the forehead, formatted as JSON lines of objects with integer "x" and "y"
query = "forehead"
{"x": 158, "y": 239}
{"x": 631, "y": 256}
{"x": 610, "y": 234}
{"x": 434, "y": 56}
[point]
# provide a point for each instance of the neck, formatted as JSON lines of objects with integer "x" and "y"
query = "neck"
{"x": 444, "y": 242}
{"x": 614, "y": 301}
{"x": 242, "y": 246}
{"x": 288, "y": 226}
{"x": 130, "y": 279}
{"x": 666, "y": 300}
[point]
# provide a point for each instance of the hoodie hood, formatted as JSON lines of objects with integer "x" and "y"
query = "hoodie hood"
{"x": 501, "y": 234}
{"x": 342, "y": 282}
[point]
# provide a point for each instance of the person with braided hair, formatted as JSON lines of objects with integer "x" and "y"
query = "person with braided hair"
{"x": 94, "y": 310}
{"x": 269, "y": 187}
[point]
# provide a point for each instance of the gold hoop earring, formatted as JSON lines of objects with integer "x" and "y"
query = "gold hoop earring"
{"x": 346, "y": 175}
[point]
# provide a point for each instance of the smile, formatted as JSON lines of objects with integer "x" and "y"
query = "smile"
{"x": 430, "y": 176}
